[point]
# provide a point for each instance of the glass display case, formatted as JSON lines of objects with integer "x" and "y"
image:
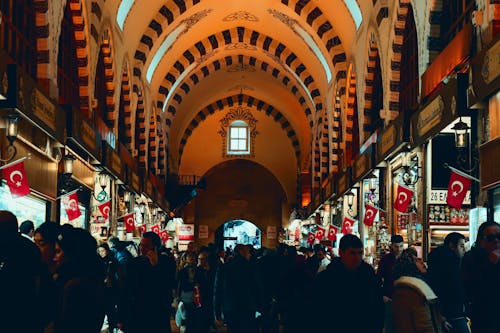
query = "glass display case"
{"x": 25, "y": 208}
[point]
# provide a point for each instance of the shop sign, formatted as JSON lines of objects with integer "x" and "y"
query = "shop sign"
{"x": 363, "y": 164}
{"x": 343, "y": 181}
{"x": 484, "y": 73}
{"x": 115, "y": 162}
{"x": 430, "y": 116}
{"x": 185, "y": 232}
{"x": 490, "y": 172}
{"x": 135, "y": 182}
{"x": 271, "y": 232}
{"x": 87, "y": 134}
{"x": 82, "y": 134}
{"x": 438, "y": 197}
{"x": 203, "y": 231}
{"x": 389, "y": 139}
{"x": 148, "y": 188}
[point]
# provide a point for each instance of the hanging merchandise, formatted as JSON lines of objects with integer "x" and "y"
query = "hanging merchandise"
{"x": 310, "y": 239}
{"x": 164, "y": 235}
{"x": 320, "y": 233}
{"x": 15, "y": 176}
{"x": 142, "y": 229}
{"x": 156, "y": 229}
{"x": 403, "y": 198}
{"x": 370, "y": 214}
{"x": 457, "y": 188}
{"x": 332, "y": 233}
{"x": 347, "y": 226}
{"x": 104, "y": 208}
{"x": 70, "y": 203}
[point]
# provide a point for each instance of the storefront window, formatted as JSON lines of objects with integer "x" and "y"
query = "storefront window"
{"x": 25, "y": 208}
{"x": 78, "y": 222}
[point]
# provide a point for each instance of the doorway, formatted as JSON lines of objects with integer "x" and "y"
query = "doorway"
{"x": 238, "y": 232}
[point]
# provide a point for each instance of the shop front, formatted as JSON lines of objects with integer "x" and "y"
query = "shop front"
{"x": 32, "y": 129}
{"x": 484, "y": 95}
{"x": 396, "y": 165}
{"x": 436, "y": 131}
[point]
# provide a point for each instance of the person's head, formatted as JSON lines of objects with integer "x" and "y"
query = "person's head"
{"x": 408, "y": 264}
{"x": 191, "y": 247}
{"x": 45, "y": 238}
{"x": 203, "y": 259}
{"x": 455, "y": 241}
{"x": 319, "y": 250}
{"x": 113, "y": 241}
{"x": 488, "y": 236}
{"x": 351, "y": 251}
{"x": 8, "y": 226}
{"x": 103, "y": 250}
{"x": 190, "y": 258}
{"x": 75, "y": 246}
{"x": 150, "y": 241}
{"x": 397, "y": 245}
{"x": 27, "y": 227}
{"x": 243, "y": 251}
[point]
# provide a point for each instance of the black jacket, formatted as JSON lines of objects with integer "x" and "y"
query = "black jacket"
{"x": 347, "y": 301}
{"x": 445, "y": 279}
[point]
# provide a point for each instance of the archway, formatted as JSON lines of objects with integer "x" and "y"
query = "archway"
{"x": 238, "y": 231}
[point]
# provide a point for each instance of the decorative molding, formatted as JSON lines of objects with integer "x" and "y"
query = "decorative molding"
{"x": 238, "y": 113}
{"x": 206, "y": 56}
{"x": 195, "y": 18}
{"x": 241, "y": 87}
{"x": 241, "y": 46}
{"x": 241, "y": 16}
{"x": 240, "y": 67}
{"x": 290, "y": 22}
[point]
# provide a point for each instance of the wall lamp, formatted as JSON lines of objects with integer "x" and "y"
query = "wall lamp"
{"x": 461, "y": 134}
{"x": 103, "y": 183}
{"x": 11, "y": 122}
{"x": 350, "y": 202}
{"x": 68, "y": 165}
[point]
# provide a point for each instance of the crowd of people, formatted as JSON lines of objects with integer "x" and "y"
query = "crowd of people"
{"x": 59, "y": 279}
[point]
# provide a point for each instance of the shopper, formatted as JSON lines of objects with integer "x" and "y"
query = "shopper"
{"x": 236, "y": 292}
{"x": 45, "y": 238}
{"x": 348, "y": 297}
{"x": 79, "y": 281}
{"x": 481, "y": 277}
{"x": 27, "y": 229}
{"x": 444, "y": 276}
{"x": 147, "y": 292}
{"x": 120, "y": 251}
{"x": 323, "y": 260}
{"x": 112, "y": 279}
{"x": 415, "y": 305}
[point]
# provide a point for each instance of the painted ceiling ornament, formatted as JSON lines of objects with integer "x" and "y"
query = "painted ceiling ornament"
{"x": 240, "y": 67}
{"x": 241, "y": 87}
{"x": 239, "y": 113}
{"x": 282, "y": 17}
{"x": 241, "y": 46}
{"x": 241, "y": 16}
{"x": 274, "y": 57}
{"x": 206, "y": 56}
{"x": 195, "y": 18}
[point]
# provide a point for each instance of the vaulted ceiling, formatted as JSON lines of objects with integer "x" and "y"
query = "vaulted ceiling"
{"x": 284, "y": 54}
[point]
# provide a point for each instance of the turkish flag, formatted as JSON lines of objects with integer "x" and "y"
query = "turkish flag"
{"x": 15, "y": 175}
{"x": 71, "y": 205}
{"x": 164, "y": 236}
{"x": 310, "y": 239}
{"x": 156, "y": 229}
{"x": 403, "y": 198}
{"x": 104, "y": 208}
{"x": 297, "y": 234}
{"x": 347, "y": 226}
{"x": 370, "y": 213}
{"x": 320, "y": 233}
{"x": 332, "y": 233}
{"x": 129, "y": 222}
{"x": 142, "y": 228}
{"x": 457, "y": 189}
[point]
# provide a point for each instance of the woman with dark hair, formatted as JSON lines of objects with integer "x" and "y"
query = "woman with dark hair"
{"x": 112, "y": 280}
{"x": 414, "y": 304}
{"x": 45, "y": 238}
{"x": 481, "y": 277}
{"x": 78, "y": 278}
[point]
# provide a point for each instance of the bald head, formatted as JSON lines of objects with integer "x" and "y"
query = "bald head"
{"x": 8, "y": 224}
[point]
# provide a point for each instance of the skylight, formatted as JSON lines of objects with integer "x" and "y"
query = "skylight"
{"x": 312, "y": 44}
{"x": 353, "y": 7}
{"x": 167, "y": 43}
{"x": 177, "y": 82}
{"x": 123, "y": 11}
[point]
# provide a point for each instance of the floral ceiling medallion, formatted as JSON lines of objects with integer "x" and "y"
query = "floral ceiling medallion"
{"x": 241, "y": 16}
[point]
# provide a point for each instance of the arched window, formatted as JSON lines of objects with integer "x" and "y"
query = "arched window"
{"x": 238, "y": 142}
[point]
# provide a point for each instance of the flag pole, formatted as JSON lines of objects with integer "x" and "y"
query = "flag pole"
{"x": 69, "y": 193}
{"x": 461, "y": 173}
{"x": 15, "y": 162}
{"x": 124, "y": 216}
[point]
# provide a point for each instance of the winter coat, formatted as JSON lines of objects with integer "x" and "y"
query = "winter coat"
{"x": 384, "y": 272}
{"x": 445, "y": 279}
{"x": 415, "y": 307}
{"x": 346, "y": 301}
{"x": 482, "y": 287}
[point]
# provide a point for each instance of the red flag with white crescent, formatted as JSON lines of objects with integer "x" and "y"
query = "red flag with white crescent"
{"x": 129, "y": 222}
{"x": 70, "y": 203}
{"x": 370, "y": 213}
{"x": 403, "y": 198}
{"x": 15, "y": 176}
{"x": 320, "y": 233}
{"x": 156, "y": 229}
{"x": 347, "y": 226}
{"x": 164, "y": 235}
{"x": 310, "y": 239}
{"x": 104, "y": 208}
{"x": 142, "y": 228}
{"x": 297, "y": 234}
{"x": 457, "y": 189}
{"x": 332, "y": 233}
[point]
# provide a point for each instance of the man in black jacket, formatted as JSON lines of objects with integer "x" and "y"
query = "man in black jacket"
{"x": 445, "y": 279}
{"x": 348, "y": 296}
{"x": 147, "y": 294}
{"x": 236, "y": 292}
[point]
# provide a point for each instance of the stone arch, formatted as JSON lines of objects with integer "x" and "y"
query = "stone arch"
{"x": 351, "y": 120}
{"x": 96, "y": 12}
{"x": 336, "y": 126}
{"x": 241, "y": 99}
{"x": 105, "y": 67}
{"x": 140, "y": 128}
{"x": 124, "y": 110}
{"x": 374, "y": 95}
{"x": 233, "y": 63}
{"x": 233, "y": 38}
{"x": 152, "y": 141}
{"x": 42, "y": 45}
